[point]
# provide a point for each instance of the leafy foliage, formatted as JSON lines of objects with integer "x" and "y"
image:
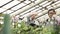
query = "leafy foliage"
{"x": 27, "y": 29}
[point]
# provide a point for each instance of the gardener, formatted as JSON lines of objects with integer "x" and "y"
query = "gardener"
{"x": 15, "y": 20}
{"x": 53, "y": 20}
{"x": 31, "y": 19}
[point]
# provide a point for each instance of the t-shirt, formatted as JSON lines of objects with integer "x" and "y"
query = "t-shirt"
{"x": 52, "y": 21}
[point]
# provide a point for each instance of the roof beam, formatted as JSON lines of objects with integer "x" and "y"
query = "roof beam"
{"x": 6, "y": 3}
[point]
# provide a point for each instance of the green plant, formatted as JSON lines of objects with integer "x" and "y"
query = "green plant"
{"x": 24, "y": 29}
{"x": 7, "y": 24}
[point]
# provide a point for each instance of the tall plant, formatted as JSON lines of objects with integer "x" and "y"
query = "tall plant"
{"x": 7, "y": 24}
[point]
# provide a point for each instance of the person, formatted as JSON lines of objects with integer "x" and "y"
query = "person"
{"x": 15, "y": 20}
{"x": 53, "y": 20}
{"x": 31, "y": 19}
{"x": 50, "y": 18}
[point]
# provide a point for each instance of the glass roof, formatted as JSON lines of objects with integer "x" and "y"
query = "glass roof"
{"x": 24, "y": 7}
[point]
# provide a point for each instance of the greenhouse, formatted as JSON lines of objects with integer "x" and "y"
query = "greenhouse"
{"x": 29, "y": 16}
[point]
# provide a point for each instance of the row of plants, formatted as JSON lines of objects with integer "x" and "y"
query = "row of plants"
{"x": 26, "y": 29}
